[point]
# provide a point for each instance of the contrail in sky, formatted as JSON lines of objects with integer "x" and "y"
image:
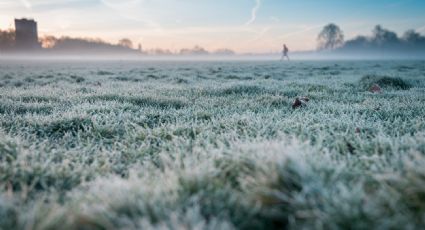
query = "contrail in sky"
{"x": 254, "y": 12}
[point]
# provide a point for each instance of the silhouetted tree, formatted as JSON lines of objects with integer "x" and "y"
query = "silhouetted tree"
{"x": 7, "y": 40}
{"x": 384, "y": 36}
{"x": 330, "y": 37}
{"x": 384, "y": 42}
{"x": 125, "y": 42}
{"x": 413, "y": 37}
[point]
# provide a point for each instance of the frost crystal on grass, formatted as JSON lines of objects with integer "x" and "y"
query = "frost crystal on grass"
{"x": 212, "y": 145}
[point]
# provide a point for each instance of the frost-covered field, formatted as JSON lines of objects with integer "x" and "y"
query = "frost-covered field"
{"x": 211, "y": 145}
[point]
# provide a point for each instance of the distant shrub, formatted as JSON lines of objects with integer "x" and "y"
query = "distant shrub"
{"x": 383, "y": 81}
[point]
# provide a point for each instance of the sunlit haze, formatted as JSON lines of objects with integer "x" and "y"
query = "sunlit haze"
{"x": 256, "y": 26}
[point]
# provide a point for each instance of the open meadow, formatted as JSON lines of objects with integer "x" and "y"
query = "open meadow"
{"x": 212, "y": 145}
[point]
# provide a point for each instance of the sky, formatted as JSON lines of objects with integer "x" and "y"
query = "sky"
{"x": 245, "y": 26}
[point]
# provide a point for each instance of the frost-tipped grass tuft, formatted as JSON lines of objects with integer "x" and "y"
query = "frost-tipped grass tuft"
{"x": 211, "y": 145}
{"x": 392, "y": 83}
{"x": 142, "y": 101}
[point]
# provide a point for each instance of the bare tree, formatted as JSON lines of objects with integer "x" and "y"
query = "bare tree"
{"x": 125, "y": 42}
{"x": 330, "y": 37}
{"x": 7, "y": 39}
{"x": 384, "y": 36}
{"x": 413, "y": 37}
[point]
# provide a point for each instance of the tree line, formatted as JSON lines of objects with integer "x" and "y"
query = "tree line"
{"x": 331, "y": 38}
{"x": 67, "y": 44}
{"x": 70, "y": 45}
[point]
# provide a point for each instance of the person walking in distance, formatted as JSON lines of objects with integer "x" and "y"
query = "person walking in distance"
{"x": 285, "y": 52}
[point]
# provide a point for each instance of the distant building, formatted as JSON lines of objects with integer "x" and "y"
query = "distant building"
{"x": 26, "y": 34}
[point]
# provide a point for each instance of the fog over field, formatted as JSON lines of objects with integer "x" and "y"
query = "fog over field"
{"x": 212, "y": 144}
{"x": 212, "y": 114}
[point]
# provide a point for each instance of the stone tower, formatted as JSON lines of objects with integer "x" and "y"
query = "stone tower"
{"x": 26, "y": 34}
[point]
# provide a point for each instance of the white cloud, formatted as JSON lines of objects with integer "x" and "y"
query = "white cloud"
{"x": 254, "y": 12}
{"x": 26, "y": 4}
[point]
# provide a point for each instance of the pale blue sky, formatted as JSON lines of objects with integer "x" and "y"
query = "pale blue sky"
{"x": 242, "y": 25}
